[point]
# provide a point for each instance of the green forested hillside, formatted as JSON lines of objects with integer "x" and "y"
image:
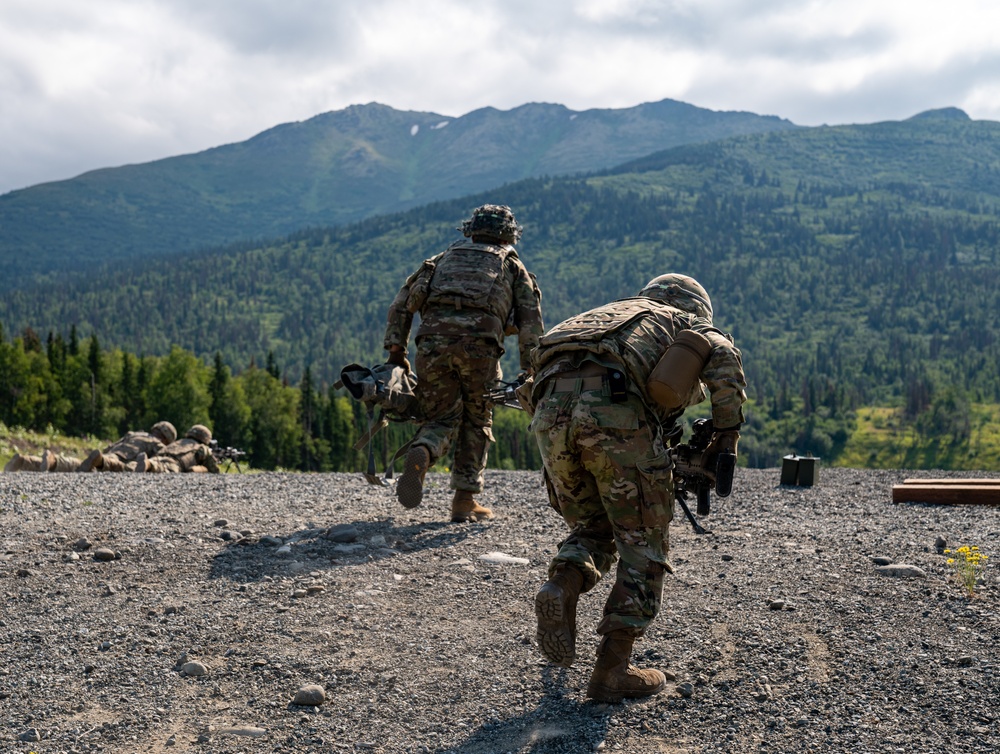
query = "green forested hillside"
{"x": 335, "y": 168}
{"x": 856, "y": 266}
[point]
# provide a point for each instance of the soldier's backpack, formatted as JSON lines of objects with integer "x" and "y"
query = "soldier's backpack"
{"x": 466, "y": 276}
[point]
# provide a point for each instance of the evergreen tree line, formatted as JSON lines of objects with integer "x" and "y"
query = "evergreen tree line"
{"x": 846, "y": 282}
{"x": 72, "y": 386}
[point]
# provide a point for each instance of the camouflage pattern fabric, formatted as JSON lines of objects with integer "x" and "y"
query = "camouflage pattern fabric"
{"x": 610, "y": 479}
{"x": 61, "y": 463}
{"x": 634, "y": 333}
{"x": 455, "y": 374}
{"x": 128, "y": 448}
{"x": 23, "y": 462}
{"x": 605, "y": 464}
{"x": 459, "y": 348}
{"x": 183, "y": 455}
{"x": 516, "y": 285}
{"x": 113, "y": 463}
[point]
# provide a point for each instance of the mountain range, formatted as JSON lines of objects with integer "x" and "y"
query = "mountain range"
{"x": 335, "y": 168}
{"x": 856, "y": 266}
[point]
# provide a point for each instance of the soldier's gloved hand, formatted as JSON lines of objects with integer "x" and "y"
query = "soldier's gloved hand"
{"x": 724, "y": 441}
{"x": 398, "y": 358}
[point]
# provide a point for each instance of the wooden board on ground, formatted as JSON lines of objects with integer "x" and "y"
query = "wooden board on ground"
{"x": 984, "y": 494}
{"x": 995, "y": 482}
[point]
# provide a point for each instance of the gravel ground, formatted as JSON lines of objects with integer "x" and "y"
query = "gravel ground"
{"x": 229, "y": 598}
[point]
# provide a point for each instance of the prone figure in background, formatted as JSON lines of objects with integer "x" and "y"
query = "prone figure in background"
{"x": 191, "y": 453}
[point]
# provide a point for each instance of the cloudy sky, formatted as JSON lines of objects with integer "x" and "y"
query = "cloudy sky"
{"x": 103, "y": 83}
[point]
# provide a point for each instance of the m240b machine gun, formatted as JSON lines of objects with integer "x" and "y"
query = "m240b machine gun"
{"x": 229, "y": 455}
{"x": 697, "y": 474}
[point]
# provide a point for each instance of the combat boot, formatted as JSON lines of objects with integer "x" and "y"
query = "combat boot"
{"x": 48, "y": 462}
{"x": 141, "y": 463}
{"x": 410, "y": 487}
{"x": 555, "y": 609}
{"x": 464, "y": 508}
{"x": 614, "y": 678}
{"x": 94, "y": 462}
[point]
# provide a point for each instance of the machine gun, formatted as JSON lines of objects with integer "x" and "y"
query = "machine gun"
{"x": 697, "y": 475}
{"x": 505, "y": 393}
{"x": 229, "y": 455}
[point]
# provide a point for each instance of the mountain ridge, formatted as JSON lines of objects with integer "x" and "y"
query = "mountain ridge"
{"x": 331, "y": 169}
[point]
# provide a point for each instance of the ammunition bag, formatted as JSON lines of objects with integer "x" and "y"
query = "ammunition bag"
{"x": 421, "y": 286}
{"x": 676, "y": 373}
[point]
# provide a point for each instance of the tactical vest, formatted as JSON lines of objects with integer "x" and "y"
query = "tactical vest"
{"x": 633, "y": 332}
{"x": 470, "y": 275}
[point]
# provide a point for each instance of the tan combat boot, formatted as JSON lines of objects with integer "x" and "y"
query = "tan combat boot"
{"x": 94, "y": 462}
{"x": 555, "y": 609}
{"x": 614, "y": 678}
{"x": 465, "y": 508}
{"x": 410, "y": 487}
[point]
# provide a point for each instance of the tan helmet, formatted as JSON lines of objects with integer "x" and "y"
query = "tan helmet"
{"x": 494, "y": 221}
{"x": 165, "y": 431}
{"x": 680, "y": 291}
{"x": 201, "y": 433}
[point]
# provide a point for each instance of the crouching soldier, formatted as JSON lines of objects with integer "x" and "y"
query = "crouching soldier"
{"x": 607, "y": 383}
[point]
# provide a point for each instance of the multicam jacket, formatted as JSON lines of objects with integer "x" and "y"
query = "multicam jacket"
{"x": 633, "y": 334}
{"x": 188, "y": 453}
{"x": 132, "y": 444}
{"x": 476, "y": 289}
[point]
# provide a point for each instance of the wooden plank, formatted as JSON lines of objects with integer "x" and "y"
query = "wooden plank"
{"x": 946, "y": 493}
{"x": 952, "y": 481}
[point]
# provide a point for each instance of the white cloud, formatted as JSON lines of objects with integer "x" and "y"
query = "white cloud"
{"x": 116, "y": 81}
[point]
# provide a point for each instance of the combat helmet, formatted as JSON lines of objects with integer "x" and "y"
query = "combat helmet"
{"x": 165, "y": 431}
{"x": 680, "y": 291}
{"x": 495, "y": 221}
{"x": 201, "y": 433}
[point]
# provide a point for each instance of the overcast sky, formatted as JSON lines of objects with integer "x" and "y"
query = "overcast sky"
{"x": 103, "y": 83}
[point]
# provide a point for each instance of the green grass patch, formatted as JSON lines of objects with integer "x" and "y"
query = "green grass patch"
{"x": 883, "y": 439}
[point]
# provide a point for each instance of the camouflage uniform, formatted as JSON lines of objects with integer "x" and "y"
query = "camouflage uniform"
{"x": 24, "y": 462}
{"x": 192, "y": 453}
{"x": 122, "y": 455}
{"x": 469, "y": 297}
{"x": 180, "y": 456}
{"x": 605, "y": 464}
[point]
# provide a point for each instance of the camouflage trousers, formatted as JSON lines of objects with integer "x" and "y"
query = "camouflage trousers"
{"x": 117, "y": 463}
{"x": 56, "y": 462}
{"x": 23, "y": 462}
{"x": 609, "y": 477}
{"x": 454, "y": 375}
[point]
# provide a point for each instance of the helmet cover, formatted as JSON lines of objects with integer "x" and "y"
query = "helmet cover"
{"x": 493, "y": 221}
{"x": 680, "y": 291}
{"x": 201, "y": 433}
{"x": 165, "y": 431}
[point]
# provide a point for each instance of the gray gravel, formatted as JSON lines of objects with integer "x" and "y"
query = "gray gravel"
{"x": 311, "y": 613}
